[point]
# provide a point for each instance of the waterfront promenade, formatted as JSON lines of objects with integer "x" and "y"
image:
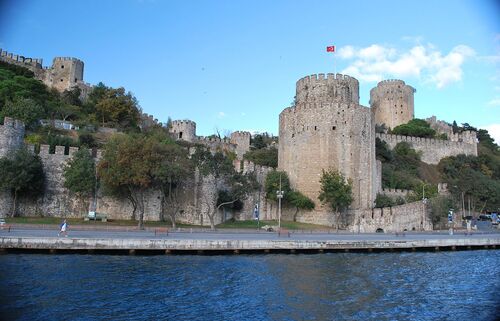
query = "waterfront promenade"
{"x": 153, "y": 241}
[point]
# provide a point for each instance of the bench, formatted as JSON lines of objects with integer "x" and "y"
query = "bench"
{"x": 161, "y": 230}
{"x": 283, "y": 231}
{"x": 96, "y": 216}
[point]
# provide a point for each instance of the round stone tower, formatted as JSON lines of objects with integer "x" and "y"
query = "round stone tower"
{"x": 242, "y": 141}
{"x": 65, "y": 73}
{"x": 328, "y": 129}
{"x": 392, "y": 103}
{"x": 11, "y": 139}
{"x": 184, "y": 130}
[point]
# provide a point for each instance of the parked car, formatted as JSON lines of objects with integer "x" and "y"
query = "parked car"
{"x": 485, "y": 217}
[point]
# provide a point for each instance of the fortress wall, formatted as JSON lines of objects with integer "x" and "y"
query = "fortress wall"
{"x": 410, "y": 216}
{"x": 217, "y": 144}
{"x": 433, "y": 150}
{"x": 267, "y": 211}
{"x": 65, "y": 72}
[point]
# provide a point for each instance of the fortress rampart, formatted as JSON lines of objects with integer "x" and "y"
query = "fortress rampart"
{"x": 433, "y": 150}
{"x": 392, "y": 102}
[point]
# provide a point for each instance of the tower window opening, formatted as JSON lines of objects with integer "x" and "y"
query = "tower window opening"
{"x": 180, "y": 135}
{"x": 61, "y": 80}
{"x": 75, "y": 80}
{"x": 334, "y": 127}
{"x": 315, "y": 128}
{"x": 62, "y": 66}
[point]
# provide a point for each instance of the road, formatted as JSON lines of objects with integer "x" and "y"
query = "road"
{"x": 239, "y": 235}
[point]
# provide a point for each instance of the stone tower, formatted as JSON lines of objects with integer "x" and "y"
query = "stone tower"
{"x": 392, "y": 103}
{"x": 328, "y": 129}
{"x": 65, "y": 73}
{"x": 11, "y": 139}
{"x": 242, "y": 141}
{"x": 184, "y": 130}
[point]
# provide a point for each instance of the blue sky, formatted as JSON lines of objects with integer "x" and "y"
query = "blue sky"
{"x": 232, "y": 65}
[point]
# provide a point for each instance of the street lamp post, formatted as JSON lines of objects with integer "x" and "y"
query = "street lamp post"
{"x": 424, "y": 201}
{"x": 279, "y": 195}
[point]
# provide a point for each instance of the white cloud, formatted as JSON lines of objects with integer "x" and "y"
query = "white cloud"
{"x": 377, "y": 62}
{"x": 494, "y": 102}
{"x": 221, "y": 114}
{"x": 494, "y": 131}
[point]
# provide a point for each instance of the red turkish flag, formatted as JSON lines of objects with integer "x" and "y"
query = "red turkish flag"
{"x": 330, "y": 49}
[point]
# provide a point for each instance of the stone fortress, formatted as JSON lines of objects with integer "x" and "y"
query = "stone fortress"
{"x": 326, "y": 128}
{"x": 65, "y": 72}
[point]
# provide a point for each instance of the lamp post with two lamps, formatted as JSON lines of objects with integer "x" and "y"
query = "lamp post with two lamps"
{"x": 279, "y": 195}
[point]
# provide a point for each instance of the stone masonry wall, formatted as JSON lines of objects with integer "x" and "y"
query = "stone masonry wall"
{"x": 328, "y": 129}
{"x": 410, "y": 216}
{"x": 433, "y": 150}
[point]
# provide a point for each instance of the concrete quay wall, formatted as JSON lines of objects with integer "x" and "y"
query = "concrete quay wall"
{"x": 168, "y": 245}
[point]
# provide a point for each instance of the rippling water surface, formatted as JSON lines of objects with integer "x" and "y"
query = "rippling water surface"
{"x": 385, "y": 286}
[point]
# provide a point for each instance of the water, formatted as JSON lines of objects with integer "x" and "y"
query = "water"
{"x": 351, "y": 286}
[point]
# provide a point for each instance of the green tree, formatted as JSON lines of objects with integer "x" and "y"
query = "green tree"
{"x": 27, "y": 110}
{"x": 128, "y": 167}
{"x": 415, "y": 127}
{"x": 299, "y": 201}
{"x": 291, "y": 197}
{"x": 22, "y": 174}
{"x": 118, "y": 108}
{"x": 336, "y": 191}
{"x": 171, "y": 172}
{"x": 272, "y": 184}
{"x": 79, "y": 175}
{"x": 264, "y": 157}
{"x": 226, "y": 186}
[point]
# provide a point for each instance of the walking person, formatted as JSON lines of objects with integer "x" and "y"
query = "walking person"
{"x": 64, "y": 229}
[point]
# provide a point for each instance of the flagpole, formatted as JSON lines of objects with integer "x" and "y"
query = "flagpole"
{"x": 334, "y": 64}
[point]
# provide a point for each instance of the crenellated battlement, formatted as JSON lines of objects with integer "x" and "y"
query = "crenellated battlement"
{"x": 72, "y": 59}
{"x": 183, "y": 122}
{"x": 212, "y": 139}
{"x": 395, "y": 192}
{"x": 13, "y": 123}
{"x": 14, "y": 58}
{"x": 327, "y": 88}
{"x": 241, "y": 133}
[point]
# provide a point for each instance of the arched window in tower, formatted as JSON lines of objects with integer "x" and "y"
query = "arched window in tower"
{"x": 62, "y": 66}
{"x": 180, "y": 135}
